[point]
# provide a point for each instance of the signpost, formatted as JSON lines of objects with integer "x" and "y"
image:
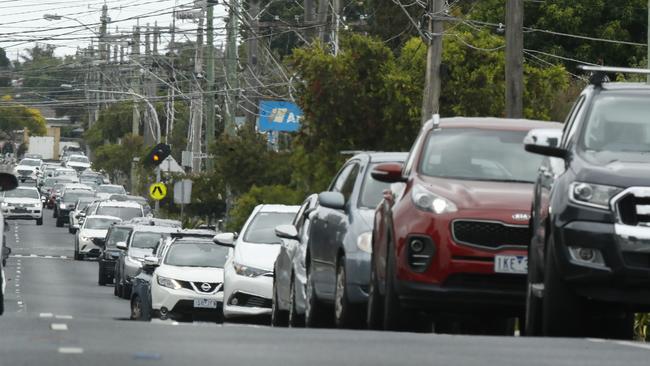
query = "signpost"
{"x": 279, "y": 115}
{"x": 183, "y": 193}
{"x": 157, "y": 191}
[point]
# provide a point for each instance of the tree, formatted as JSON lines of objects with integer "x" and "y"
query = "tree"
{"x": 244, "y": 205}
{"x": 116, "y": 159}
{"x": 5, "y": 65}
{"x": 15, "y": 116}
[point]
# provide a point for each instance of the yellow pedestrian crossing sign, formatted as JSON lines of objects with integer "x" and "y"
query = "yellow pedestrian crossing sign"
{"x": 158, "y": 191}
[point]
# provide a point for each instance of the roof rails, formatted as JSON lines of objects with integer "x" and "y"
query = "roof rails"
{"x": 599, "y": 73}
{"x": 193, "y": 233}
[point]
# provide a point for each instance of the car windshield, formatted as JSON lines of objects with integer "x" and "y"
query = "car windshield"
{"x": 196, "y": 254}
{"x": 78, "y": 159}
{"x": 81, "y": 204}
{"x": 125, "y": 213}
{"x": 49, "y": 183}
{"x": 99, "y": 223}
{"x": 479, "y": 154}
{"x": 30, "y": 162}
{"x": 147, "y": 239}
{"x": 23, "y": 193}
{"x": 111, "y": 189}
{"x": 617, "y": 128}
{"x": 262, "y": 229}
{"x": 371, "y": 192}
{"x": 73, "y": 196}
{"x": 65, "y": 172}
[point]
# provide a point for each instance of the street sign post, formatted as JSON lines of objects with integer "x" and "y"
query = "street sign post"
{"x": 157, "y": 191}
{"x": 183, "y": 194}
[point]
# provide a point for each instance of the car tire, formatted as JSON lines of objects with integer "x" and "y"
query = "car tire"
{"x": 533, "y": 316}
{"x": 375, "y": 309}
{"x": 125, "y": 291}
{"x": 279, "y": 317}
{"x": 346, "y": 314}
{"x": 315, "y": 314}
{"x": 77, "y": 255}
{"x": 116, "y": 289}
{"x": 101, "y": 280}
{"x": 39, "y": 222}
{"x": 71, "y": 230}
{"x": 59, "y": 222}
{"x": 54, "y": 213}
{"x": 138, "y": 310}
{"x": 394, "y": 316}
{"x": 295, "y": 320}
{"x": 562, "y": 310}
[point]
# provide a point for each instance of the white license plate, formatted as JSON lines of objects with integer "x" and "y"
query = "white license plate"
{"x": 517, "y": 264}
{"x": 205, "y": 303}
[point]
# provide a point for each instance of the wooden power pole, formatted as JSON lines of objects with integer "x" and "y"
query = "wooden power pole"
{"x": 431, "y": 100}
{"x": 514, "y": 58}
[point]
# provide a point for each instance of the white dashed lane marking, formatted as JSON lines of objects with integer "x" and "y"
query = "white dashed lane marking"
{"x": 59, "y": 326}
{"x": 71, "y": 350}
{"x": 45, "y": 315}
{"x": 67, "y": 317}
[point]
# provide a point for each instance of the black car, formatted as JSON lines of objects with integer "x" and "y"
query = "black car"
{"x": 589, "y": 258}
{"x": 67, "y": 203}
{"x": 289, "y": 273}
{"x": 110, "y": 252}
{"x": 338, "y": 254}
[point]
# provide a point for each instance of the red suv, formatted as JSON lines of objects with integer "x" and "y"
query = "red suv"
{"x": 451, "y": 236}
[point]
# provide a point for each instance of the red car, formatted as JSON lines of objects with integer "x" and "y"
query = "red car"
{"x": 451, "y": 237}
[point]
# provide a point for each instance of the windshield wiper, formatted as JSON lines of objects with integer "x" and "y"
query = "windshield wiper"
{"x": 508, "y": 180}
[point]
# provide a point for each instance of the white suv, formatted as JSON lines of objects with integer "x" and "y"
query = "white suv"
{"x": 248, "y": 284}
{"x": 125, "y": 210}
{"x": 23, "y": 203}
{"x": 28, "y": 169}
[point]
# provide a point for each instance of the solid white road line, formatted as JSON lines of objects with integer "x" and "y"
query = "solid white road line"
{"x": 45, "y": 315}
{"x": 71, "y": 350}
{"x": 67, "y": 317}
{"x": 59, "y": 326}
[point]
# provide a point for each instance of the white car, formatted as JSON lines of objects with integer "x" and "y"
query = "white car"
{"x": 126, "y": 210}
{"x": 68, "y": 172}
{"x": 95, "y": 226}
{"x": 78, "y": 162}
{"x": 23, "y": 203}
{"x": 189, "y": 279}
{"x": 28, "y": 169}
{"x": 105, "y": 191}
{"x": 248, "y": 284}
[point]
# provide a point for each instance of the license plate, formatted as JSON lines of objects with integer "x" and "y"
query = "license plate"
{"x": 20, "y": 210}
{"x": 205, "y": 303}
{"x": 517, "y": 264}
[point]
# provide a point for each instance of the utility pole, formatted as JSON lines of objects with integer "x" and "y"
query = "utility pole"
{"x": 196, "y": 104}
{"x": 135, "y": 55}
{"x": 149, "y": 132}
{"x": 253, "y": 50}
{"x": 309, "y": 19}
{"x": 171, "y": 110}
{"x": 648, "y": 55}
{"x": 431, "y": 102}
{"x": 210, "y": 95}
{"x": 323, "y": 11}
{"x": 336, "y": 22}
{"x": 514, "y": 58}
{"x": 104, "y": 52}
{"x": 232, "y": 83}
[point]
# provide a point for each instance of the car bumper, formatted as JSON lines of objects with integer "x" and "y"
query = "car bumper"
{"x": 88, "y": 248}
{"x": 246, "y": 296}
{"x": 181, "y": 301}
{"x": 357, "y": 266}
{"x": 30, "y": 214}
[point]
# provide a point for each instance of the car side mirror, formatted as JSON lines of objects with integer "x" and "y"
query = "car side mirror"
{"x": 151, "y": 261}
{"x": 286, "y": 232}
{"x": 121, "y": 245}
{"x": 388, "y": 172}
{"x": 333, "y": 200}
{"x": 225, "y": 239}
{"x": 545, "y": 141}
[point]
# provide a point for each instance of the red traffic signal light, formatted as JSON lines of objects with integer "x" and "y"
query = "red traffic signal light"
{"x": 157, "y": 154}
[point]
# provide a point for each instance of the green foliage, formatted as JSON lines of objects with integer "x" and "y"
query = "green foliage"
{"x": 113, "y": 123}
{"x": 14, "y": 116}
{"x": 641, "y": 325}
{"x": 5, "y": 64}
{"x": 116, "y": 159}
{"x": 274, "y": 194}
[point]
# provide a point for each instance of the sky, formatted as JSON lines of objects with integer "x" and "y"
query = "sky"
{"x": 22, "y": 22}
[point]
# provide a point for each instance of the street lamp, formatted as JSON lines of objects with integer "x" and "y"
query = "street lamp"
{"x": 51, "y": 17}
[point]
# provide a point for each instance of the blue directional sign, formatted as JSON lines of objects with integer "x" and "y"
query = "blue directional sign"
{"x": 279, "y": 115}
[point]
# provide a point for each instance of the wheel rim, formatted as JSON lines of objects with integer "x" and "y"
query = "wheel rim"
{"x": 340, "y": 292}
{"x": 136, "y": 309}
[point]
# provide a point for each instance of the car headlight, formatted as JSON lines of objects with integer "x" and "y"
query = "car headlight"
{"x": 593, "y": 195}
{"x": 247, "y": 271}
{"x": 168, "y": 282}
{"x": 4, "y": 204}
{"x": 364, "y": 242}
{"x": 36, "y": 205}
{"x": 428, "y": 201}
{"x": 84, "y": 238}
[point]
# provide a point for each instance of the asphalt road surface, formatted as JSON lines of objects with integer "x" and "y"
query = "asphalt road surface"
{"x": 56, "y": 314}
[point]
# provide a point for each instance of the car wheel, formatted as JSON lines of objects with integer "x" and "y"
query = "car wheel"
{"x": 101, "y": 275}
{"x": 39, "y": 222}
{"x": 279, "y": 318}
{"x": 125, "y": 291}
{"x": 394, "y": 316}
{"x": 77, "y": 255}
{"x": 2, "y": 302}
{"x": 561, "y": 308}
{"x": 296, "y": 320}
{"x": 374, "y": 313}
{"x": 138, "y": 311}
{"x": 59, "y": 222}
{"x": 533, "y": 322}
{"x": 346, "y": 314}
{"x": 315, "y": 315}
{"x": 54, "y": 213}
{"x": 71, "y": 229}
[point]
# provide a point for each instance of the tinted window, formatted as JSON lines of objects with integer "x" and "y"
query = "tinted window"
{"x": 341, "y": 178}
{"x": 489, "y": 155}
{"x": 117, "y": 235}
{"x": 30, "y": 162}
{"x": 199, "y": 254}
{"x": 262, "y": 229}
{"x": 78, "y": 159}
{"x": 372, "y": 190}
{"x": 111, "y": 189}
{"x": 348, "y": 185}
{"x": 125, "y": 213}
{"x": 147, "y": 240}
{"x": 98, "y": 223}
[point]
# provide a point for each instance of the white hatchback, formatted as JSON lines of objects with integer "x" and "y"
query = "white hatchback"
{"x": 248, "y": 283}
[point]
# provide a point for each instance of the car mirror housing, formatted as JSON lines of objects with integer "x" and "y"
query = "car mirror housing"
{"x": 151, "y": 261}
{"x": 333, "y": 200}
{"x": 225, "y": 239}
{"x": 121, "y": 245}
{"x": 388, "y": 172}
{"x": 545, "y": 141}
{"x": 286, "y": 232}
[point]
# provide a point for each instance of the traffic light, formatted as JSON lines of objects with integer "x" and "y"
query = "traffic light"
{"x": 156, "y": 156}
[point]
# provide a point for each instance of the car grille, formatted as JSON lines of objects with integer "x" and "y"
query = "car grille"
{"x": 501, "y": 282}
{"x": 198, "y": 286}
{"x": 491, "y": 235}
{"x": 634, "y": 210}
{"x": 639, "y": 260}
{"x": 24, "y": 172}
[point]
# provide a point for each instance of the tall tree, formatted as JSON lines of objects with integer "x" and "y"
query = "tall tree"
{"x": 5, "y": 69}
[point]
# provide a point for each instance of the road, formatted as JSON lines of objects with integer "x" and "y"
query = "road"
{"x": 56, "y": 314}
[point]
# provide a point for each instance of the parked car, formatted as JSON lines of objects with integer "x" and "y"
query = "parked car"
{"x": 338, "y": 265}
{"x": 187, "y": 282}
{"x": 67, "y": 203}
{"x": 450, "y": 238}
{"x": 78, "y": 163}
{"x": 95, "y": 226}
{"x": 109, "y": 252}
{"x": 248, "y": 283}
{"x": 8, "y": 182}
{"x": 589, "y": 264}
{"x": 28, "y": 170}
{"x": 289, "y": 273}
{"x": 80, "y": 205}
{"x": 104, "y": 191}
{"x": 139, "y": 199}
{"x": 22, "y": 203}
{"x": 68, "y": 172}
{"x": 143, "y": 241}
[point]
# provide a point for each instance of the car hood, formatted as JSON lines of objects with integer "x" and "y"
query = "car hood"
{"x": 21, "y": 200}
{"x": 92, "y": 233}
{"x": 595, "y": 169}
{"x": 260, "y": 256}
{"x": 472, "y": 194}
{"x": 140, "y": 252}
{"x": 192, "y": 274}
{"x": 25, "y": 167}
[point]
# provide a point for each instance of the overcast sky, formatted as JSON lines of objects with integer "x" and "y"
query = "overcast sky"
{"x": 22, "y": 23}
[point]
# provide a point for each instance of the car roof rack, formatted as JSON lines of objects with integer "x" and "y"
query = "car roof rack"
{"x": 599, "y": 73}
{"x": 193, "y": 233}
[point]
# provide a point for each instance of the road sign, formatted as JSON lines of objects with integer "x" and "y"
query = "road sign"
{"x": 183, "y": 192}
{"x": 158, "y": 191}
{"x": 279, "y": 115}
